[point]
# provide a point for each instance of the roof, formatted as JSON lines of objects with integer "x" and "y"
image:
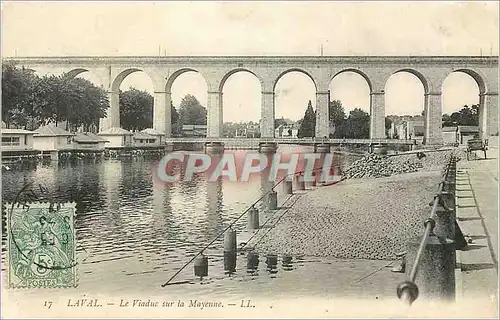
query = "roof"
{"x": 17, "y": 131}
{"x": 52, "y": 131}
{"x": 115, "y": 131}
{"x": 471, "y": 129}
{"x": 449, "y": 129}
{"x": 152, "y": 132}
{"x": 88, "y": 137}
{"x": 416, "y": 123}
{"x": 142, "y": 135}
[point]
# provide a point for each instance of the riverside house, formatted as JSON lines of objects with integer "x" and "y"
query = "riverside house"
{"x": 17, "y": 140}
{"x": 142, "y": 139}
{"x": 117, "y": 138}
{"x": 160, "y": 137}
{"x": 52, "y": 138}
{"x": 89, "y": 142}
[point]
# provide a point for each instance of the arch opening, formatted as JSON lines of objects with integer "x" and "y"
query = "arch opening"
{"x": 404, "y": 105}
{"x": 133, "y": 88}
{"x": 294, "y": 96}
{"x": 462, "y": 108}
{"x": 188, "y": 92}
{"x": 241, "y": 104}
{"x": 349, "y": 105}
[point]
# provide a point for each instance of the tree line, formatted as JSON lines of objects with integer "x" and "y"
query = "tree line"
{"x": 354, "y": 125}
{"x": 30, "y": 101}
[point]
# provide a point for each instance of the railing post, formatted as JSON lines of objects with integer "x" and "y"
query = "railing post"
{"x": 436, "y": 273}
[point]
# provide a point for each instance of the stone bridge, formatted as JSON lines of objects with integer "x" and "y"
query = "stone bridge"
{"x": 376, "y": 70}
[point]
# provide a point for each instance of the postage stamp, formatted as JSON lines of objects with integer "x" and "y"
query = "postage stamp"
{"x": 41, "y": 245}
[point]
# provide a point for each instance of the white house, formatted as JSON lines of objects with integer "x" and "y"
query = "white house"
{"x": 142, "y": 139}
{"x": 88, "y": 141}
{"x": 52, "y": 138}
{"x": 160, "y": 137}
{"x": 450, "y": 135}
{"x": 286, "y": 131}
{"x": 17, "y": 140}
{"x": 117, "y": 137}
{"x": 465, "y": 133}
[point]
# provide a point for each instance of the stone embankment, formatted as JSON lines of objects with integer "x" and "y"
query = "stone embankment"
{"x": 361, "y": 218}
{"x": 377, "y": 166}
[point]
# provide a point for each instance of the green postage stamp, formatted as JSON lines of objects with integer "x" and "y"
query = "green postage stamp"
{"x": 41, "y": 245}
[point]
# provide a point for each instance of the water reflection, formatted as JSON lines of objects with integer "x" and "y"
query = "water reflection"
{"x": 252, "y": 263}
{"x": 129, "y": 222}
{"x": 214, "y": 208}
{"x": 230, "y": 262}
{"x": 272, "y": 263}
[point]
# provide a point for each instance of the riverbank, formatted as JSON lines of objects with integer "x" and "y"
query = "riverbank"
{"x": 365, "y": 218}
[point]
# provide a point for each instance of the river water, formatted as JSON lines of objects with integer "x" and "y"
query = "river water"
{"x": 132, "y": 228}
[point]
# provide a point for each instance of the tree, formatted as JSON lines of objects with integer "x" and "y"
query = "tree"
{"x": 17, "y": 95}
{"x": 30, "y": 101}
{"x": 191, "y": 111}
{"x": 467, "y": 116}
{"x": 279, "y": 122}
{"x": 308, "y": 125}
{"x": 136, "y": 109}
{"x": 174, "y": 118}
{"x": 86, "y": 103}
{"x": 357, "y": 124}
{"x": 336, "y": 117}
{"x": 388, "y": 125}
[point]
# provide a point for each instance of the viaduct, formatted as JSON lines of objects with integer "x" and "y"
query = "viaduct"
{"x": 376, "y": 70}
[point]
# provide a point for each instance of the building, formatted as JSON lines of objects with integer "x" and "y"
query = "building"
{"x": 117, "y": 137}
{"x": 407, "y": 129}
{"x": 88, "y": 142}
{"x": 141, "y": 139}
{"x": 194, "y": 130}
{"x": 160, "y": 137}
{"x": 450, "y": 135}
{"x": 286, "y": 131}
{"x": 465, "y": 133}
{"x": 17, "y": 140}
{"x": 52, "y": 138}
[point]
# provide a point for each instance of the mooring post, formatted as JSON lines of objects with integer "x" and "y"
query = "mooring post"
{"x": 288, "y": 185}
{"x": 272, "y": 200}
{"x": 301, "y": 185}
{"x": 253, "y": 219}
{"x": 230, "y": 251}
{"x": 201, "y": 266}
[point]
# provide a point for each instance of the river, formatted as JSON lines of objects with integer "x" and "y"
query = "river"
{"x": 129, "y": 224}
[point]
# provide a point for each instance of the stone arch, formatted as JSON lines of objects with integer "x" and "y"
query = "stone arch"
{"x": 357, "y": 71}
{"x": 295, "y": 70}
{"x": 417, "y": 74}
{"x": 118, "y": 79}
{"x": 233, "y": 71}
{"x": 171, "y": 79}
{"x": 74, "y": 72}
{"x": 481, "y": 84}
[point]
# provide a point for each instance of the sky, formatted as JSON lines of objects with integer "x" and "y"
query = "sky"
{"x": 264, "y": 28}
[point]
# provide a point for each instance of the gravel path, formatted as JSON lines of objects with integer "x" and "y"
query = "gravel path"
{"x": 367, "y": 218}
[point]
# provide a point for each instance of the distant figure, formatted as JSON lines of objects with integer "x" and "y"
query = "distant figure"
{"x": 421, "y": 155}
